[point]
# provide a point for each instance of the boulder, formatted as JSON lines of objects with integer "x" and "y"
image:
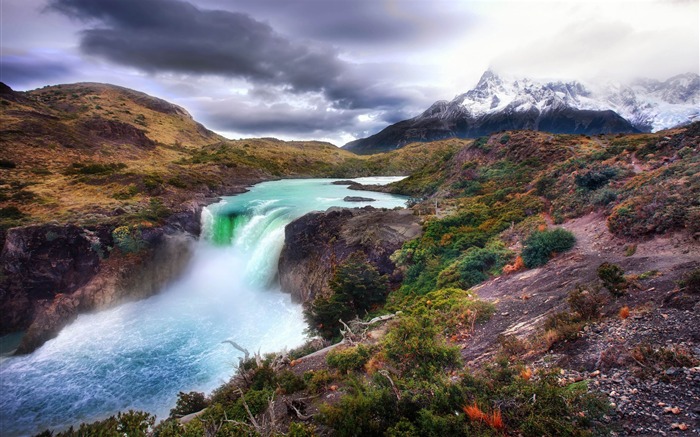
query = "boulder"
{"x": 317, "y": 242}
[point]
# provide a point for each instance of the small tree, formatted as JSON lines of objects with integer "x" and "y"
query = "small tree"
{"x": 357, "y": 286}
{"x": 361, "y": 282}
{"x": 188, "y": 403}
{"x": 613, "y": 278}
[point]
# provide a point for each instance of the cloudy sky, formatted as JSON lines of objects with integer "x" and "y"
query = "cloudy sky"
{"x": 335, "y": 69}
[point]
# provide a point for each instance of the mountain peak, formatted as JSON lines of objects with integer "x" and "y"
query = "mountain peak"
{"x": 497, "y": 103}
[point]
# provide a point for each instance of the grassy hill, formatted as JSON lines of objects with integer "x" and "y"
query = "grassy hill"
{"x": 91, "y": 152}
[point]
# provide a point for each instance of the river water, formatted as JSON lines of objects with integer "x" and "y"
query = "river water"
{"x": 141, "y": 354}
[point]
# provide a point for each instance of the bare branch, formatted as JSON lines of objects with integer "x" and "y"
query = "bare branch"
{"x": 300, "y": 416}
{"x": 239, "y": 347}
{"x": 391, "y": 381}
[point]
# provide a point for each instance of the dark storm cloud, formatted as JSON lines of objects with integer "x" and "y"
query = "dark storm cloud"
{"x": 365, "y": 21}
{"x": 175, "y": 36}
{"x": 359, "y": 22}
{"x": 22, "y": 71}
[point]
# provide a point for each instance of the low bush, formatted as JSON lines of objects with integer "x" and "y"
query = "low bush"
{"x": 586, "y": 303}
{"x": 596, "y": 178}
{"x": 349, "y": 359}
{"x": 128, "y": 239}
{"x": 188, "y": 403}
{"x": 7, "y": 164}
{"x": 541, "y": 245}
{"x": 132, "y": 423}
{"x": 415, "y": 348}
{"x": 94, "y": 168}
{"x": 613, "y": 278}
{"x": 691, "y": 282}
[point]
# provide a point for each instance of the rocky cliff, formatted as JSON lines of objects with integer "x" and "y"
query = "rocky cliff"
{"x": 51, "y": 273}
{"x": 318, "y": 241}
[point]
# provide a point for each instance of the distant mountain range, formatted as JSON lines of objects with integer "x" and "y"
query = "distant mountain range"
{"x": 496, "y": 104}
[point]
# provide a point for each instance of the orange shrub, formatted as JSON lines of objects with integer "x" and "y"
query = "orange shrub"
{"x": 624, "y": 312}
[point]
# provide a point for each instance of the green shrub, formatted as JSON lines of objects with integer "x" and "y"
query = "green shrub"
{"x": 541, "y": 245}
{"x": 323, "y": 313}
{"x": 289, "y": 382}
{"x": 478, "y": 263}
{"x": 132, "y": 423}
{"x": 128, "y": 239}
{"x": 317, "y": 381}
{"x": 188, "y": 403}
{"x": 347, "y": 360}
{"x": 155, "y": 212}
{"x": 450, "y": 309}
{"x": 691, "y": 282}
{"x": 613, "y": 278}
{"x": 594, "y": 179}
{"x": 357, "y": 287}
{"x": 361, "y": 282}
{"x": 367, "y": 410}
{"x": 416, "y": 348}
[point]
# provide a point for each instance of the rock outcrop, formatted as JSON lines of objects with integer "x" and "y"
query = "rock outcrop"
{"x": 51, "y": 273}
{"x": 318, "y": 241}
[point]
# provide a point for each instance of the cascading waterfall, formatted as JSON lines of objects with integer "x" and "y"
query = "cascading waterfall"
{"x": 141, "y": 354}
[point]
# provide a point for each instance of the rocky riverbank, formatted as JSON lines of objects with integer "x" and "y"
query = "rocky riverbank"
{"x": 318, "y": 241}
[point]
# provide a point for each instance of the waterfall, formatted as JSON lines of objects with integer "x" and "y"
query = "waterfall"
{"x": 141, "y": 354}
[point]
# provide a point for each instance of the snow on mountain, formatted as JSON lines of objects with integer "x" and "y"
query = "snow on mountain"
{"x": 496, "y": 104}
{"x": 649, "y": 105}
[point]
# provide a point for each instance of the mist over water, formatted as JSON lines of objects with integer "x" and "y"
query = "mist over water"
{"x": 141, "y": 354}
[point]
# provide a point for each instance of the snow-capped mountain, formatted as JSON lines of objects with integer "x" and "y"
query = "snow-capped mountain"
{"x": 560, "y": 107}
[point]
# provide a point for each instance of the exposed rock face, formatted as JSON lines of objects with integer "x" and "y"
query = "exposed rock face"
{"x": 117, "y": 131}
{"x": 51, "y": 273}
{"x": 120, "y": 279}
{"x": 40, "y": 262}
{"x": 316, "y": 242}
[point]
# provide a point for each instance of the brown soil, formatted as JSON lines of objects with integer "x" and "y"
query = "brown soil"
{"x": 661, "y": 316}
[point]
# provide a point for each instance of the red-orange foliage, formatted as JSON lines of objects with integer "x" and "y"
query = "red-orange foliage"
{"x": 517, "y": 265}
{"x": 624, "y": 312}
{"x": 475, "y": 414}
{"x": 495, "y": 420}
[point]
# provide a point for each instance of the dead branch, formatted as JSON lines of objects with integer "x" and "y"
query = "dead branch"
{"x": 391, "y": 381}
{"x": 250, "y": 415}
{"x": 300, "y": 416}
{"x": 347, "y": 333}
{"x": 379, "y": 319}
{"x": 239, "y": 347}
